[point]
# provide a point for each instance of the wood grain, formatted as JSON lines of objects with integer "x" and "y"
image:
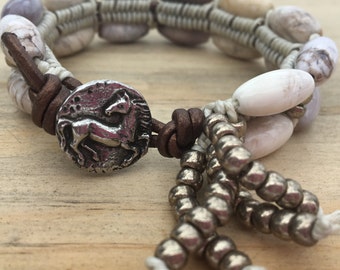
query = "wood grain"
{"x": 54, "y": 216}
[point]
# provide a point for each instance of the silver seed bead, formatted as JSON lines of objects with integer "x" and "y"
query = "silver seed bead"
{"x": 222, "y": 129}
{"x": 242, "y": 195}
{"x": 262, "y": 215}
{"x": 188, "y": 236}
{"x": 190, "y": 177}
{"x": 207, "y": 241}
{"x": 211, "y": 153}
{"x": 203, "y": 219}
{"x": 220, "y": 208}
{"x": 217, "y": 249}
{"x": 172, "y": 253}
{"x": 213, "y": 166}
{"x": 253, "y": 176}
{"x": 193, "y": 159}
{"x": 222, "y": 178}
{"x": 301, "y": 227}
{"x": 234, "y": 260}
{"x": 244, "y": 210}
{"x": 274, "y": 187}
{"x": 225, "y": 144}
{"x": 224, "y": 192}
{"x": 241, "y": 127}
{"x": 279, "y": 223}
{"x": 179, "y": 192}
{"x": 293, "y": 196}
{"x": 309, "y": 204}
{"x": 235, "y": 160}
{"x": 210, "y": 121}
{"x": 184, "y": 206}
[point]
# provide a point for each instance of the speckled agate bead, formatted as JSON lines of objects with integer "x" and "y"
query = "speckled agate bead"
{"x": 184, "y": 37}
{"x": 122, "y": 33}
{"x": 293, "y": 23}
{"x": 318, "y": 57}
{"x": 30, "y": 9}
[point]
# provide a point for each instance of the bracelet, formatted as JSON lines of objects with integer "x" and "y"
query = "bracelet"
{"x": 106, "y": 125}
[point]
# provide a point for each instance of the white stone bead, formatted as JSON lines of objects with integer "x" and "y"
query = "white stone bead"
{"x": 60, "y": 4}
{"x": 246, "y": 8}
{"x": 267, "y": 134}
{"x": 26, "y": 32}
{"x": 234, "y": 49}
{"x": 73, "y": 43}
{"x": 122, "y": 33}
{"x": 293, "y": 23}
{"x": 19, "y": 91}
{"x": 318, "y": 57}
{"x": 273, "y": 92}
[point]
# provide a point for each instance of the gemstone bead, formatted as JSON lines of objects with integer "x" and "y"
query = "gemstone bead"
{"x": 293, "y": 23}
{"x": 273, "y": 92}
{"x": 122, "y": 33}
{"x": 318, "y": 57}
{"x": 30, "y": 9}
{"x": 246, "y": 8}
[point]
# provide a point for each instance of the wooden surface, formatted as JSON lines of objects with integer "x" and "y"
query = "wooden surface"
{"x": 55, "y": 216}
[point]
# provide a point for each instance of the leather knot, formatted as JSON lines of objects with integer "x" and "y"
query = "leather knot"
{"x": 179, "y": 134}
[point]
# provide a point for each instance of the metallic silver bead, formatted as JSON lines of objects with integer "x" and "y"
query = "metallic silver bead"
{"x": 244, "y": 210}
{"x": 224, "y": 192}
{"x": 296, "y": 112}
{"x": 179, "y": 192}
{"x": 234, "y": 260}
{"x": 309, "y": 204}
{"x": 203, "y": 219}
{"x": 193, "y": 159}
{"x": 293, "y": 196}
{"x": 262, "y": 215}
{"x": 213, "y": 166}
{"x": 235, "y": 160}
{"x": 188, "y": 236}
{"x": 172, "y": 253}
{"x": 253, "y": 176}
{"x": 210, "y": 121}
{"x": 274, "y": 187}
{"x": 225, "y": 144}
{"x": 207, "y": 241}
{"x": 190, "y": 177}
{"x": 241, "y": 127}
{"x": 242, "y": 195}
{"x": 217, "y": 249}
{"x": 220, "y": 208}
{"x": 210, "y": 152}
{"x": 222, "y": 178}
{"x": 184, "y": 206}
{"x": 279, "y": 223}
{"x": 301, "y": 227}
{"x": 221, "y": 129}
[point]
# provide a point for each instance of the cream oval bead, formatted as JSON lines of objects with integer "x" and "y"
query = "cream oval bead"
{"x": 122, "y": 33}
{"x": 53, "y": 5}
{"x": 234, "y": 49}
{"x": 318, "y": 57}
{"x": 267, "y": 134}
{"x": 19, "y": 91}
{"x": 273, "y": 92}
{"x": 26, "y": 32}
{"x": 73, "y": 43}
{"x": 246, "y": 8}
{"x": 293, "y": 23}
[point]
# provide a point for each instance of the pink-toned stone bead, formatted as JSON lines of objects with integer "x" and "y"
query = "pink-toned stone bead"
{"x": 234, "y": 49}
{"x": 61, "y": 4}
{"x": 293, "y": 23}
{"x": 246, "y": 8}
{"x": 312, "y": 111}
{"x": 267, "y": 134}
{"x": 273, "y": 92}
{"x": 184, "y": 37}
{"x": 73, "y": 43}
{"x": 318, "y": 57}
{"x": 122, "y": 33}
{"x": 26, "y": 32}
{"x": 30, "y": 9}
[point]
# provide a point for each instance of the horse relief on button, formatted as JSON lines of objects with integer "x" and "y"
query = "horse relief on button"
{"x": 105, "y": 125}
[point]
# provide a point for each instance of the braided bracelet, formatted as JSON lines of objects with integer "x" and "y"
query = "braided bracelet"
{"x": 105, "y": 125}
